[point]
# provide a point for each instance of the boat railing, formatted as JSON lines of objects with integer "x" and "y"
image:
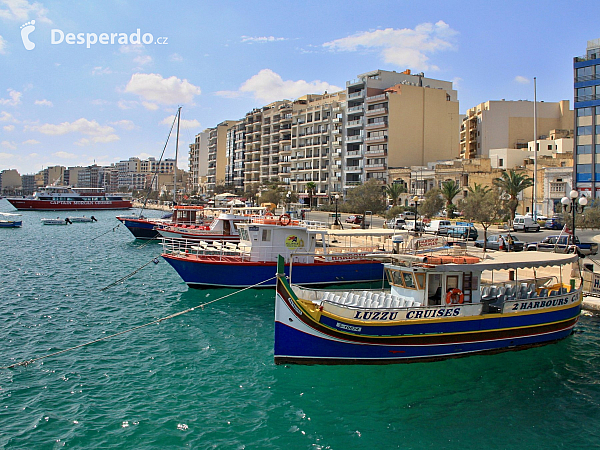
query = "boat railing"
{"x": 217, "y": 250}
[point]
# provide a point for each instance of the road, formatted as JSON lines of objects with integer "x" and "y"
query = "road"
{"x": 585, "y": 235}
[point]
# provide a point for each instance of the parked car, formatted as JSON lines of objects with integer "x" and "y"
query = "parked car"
{"x": 525, "y": 223}
{"x": 463, "y": 232}
{"x": 563, "y": 244}
{"x": 414, "y": 225}
{"x": 397, "y": 224}
{"x": 500, "y": 240}
{"x": 407, "y": 215}
{"x": 355, "y": 219}
{"x": 554, "y": 223}
{"x": 438, "y": 226}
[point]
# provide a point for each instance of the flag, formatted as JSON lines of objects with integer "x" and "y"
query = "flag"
{"x": 567, "y": 230}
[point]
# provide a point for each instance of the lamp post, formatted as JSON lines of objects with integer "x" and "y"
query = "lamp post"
{"x": 574, "y": 204}
{"x": 337, "y": 218}
{"x": 288, "y": 201}
{"x": 416, "y": 200}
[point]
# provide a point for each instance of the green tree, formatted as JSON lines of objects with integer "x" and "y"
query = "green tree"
{"x": 311, "y": 186}
{"x": 366, "y": 197}
{"x": 478, "y": 189}
{"x": 393, "y": 191}
{"x": 450, "y": 189}
{"x": 484, "y": 207}
{"x": 511, "y": 183}
{"x": 432, "y": 204}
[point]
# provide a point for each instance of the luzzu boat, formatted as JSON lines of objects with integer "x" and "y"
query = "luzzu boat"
{"x": 309, "y": 247}
{"x": 10, "y": 220}
{"x": 438, "y": 307}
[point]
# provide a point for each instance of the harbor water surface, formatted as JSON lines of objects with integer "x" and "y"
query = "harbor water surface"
{"x": 206, "y": 378}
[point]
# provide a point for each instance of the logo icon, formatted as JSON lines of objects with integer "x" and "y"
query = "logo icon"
{"x": 26, "y": 30}
{"x": 294, "y": 242}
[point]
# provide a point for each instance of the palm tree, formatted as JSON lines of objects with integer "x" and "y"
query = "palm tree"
{"x": 479, "y": 189}
{"x": 310, "y": 188}
{"x": 450, "y": 189}
{"x": 393, "y": 191}
{"x": 511, "y": 184}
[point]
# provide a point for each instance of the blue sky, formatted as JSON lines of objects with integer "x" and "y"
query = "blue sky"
{"x": 72, "y": 105}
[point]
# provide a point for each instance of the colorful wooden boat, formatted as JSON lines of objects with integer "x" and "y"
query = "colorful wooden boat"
{"x": 438, "y": 307}
{"x": 10, "y": 220}
{"x": 309, "y": 247}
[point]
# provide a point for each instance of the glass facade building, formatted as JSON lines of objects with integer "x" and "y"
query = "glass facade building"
{"x": 586, "y": 72}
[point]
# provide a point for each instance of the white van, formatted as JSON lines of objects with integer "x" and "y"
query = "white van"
{"x": 525, "y": 223}
{"x": 438, "y": 226}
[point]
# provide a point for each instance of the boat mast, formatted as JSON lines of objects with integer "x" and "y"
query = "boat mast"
{"x": 535, "y": 152}
{"x": 176, "y": 156}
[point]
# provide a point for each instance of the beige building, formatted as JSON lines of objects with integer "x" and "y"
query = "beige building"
{"x": 10, "y": 182}
{"x": 198, "y": 160}
{"x": 217, "y": 149}
{"x": 509, "y": 124}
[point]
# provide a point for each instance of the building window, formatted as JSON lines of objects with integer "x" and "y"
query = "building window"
{"x": 584, "y": 112}
{"x": 500, "y": 162}
{"x": 584, "y": 149}
{"x": 584, "y": 172}
{"x": 582, "y": 131}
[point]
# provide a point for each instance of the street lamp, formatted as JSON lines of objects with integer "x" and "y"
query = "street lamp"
{"x": 416, "y": 200}
{"x": 337, "y": 218}
{"x": 288, "y": 201}
{"x": 572, "y": 205}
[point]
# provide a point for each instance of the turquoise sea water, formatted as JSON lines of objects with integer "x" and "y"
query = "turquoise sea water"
{"x": 206, "y": 379}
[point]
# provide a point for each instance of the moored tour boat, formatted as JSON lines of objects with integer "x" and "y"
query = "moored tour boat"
{"x": 438, "y": 307}
{"x": 67, "y": 198}
{"x": 314, "y": 260}
{"x": 81, "y": 219}
{"x": 10, "y": 220}
{"x": 57, "y": 221}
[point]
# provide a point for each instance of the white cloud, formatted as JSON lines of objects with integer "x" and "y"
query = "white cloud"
{"x": 98, "y": 134}
{"x": 127, "y": 104}
{"x": 44, "y": 102}
{"x": 99, "y": 102}
{"x": 183, "y": 123}
{"x": 142, "y": 60}
{"x": 7, "y": 117}
{"x": 6, "y": 156}
{"x": 22, "y": 10}
{"x": 9, "y": 128}
{"x": 8, "y": 145}
{"x": 262, "y": 39}
{"x": 268, "y": 86}
{"x": 31, "y": 142}
{"x": 15, "y": 98}
{"x": 402, "y": 47}
{"x": 99, "y": 70}
{"x": 125, "y": 124}
{"x": 169, "y": 91}
{"x": 175, "y": 57}
{"x": 151, "y": 106}
{"x": 132, "y": 48}
{"x": 521, "y": 80}
{"x": 65, "y": 155}
{"x": 2, "y": 46}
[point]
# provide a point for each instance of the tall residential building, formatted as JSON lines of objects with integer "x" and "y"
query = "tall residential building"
{"x": 509, "y": 124}
{"x": 587, "y": 124}
{"x": 10, "y": 181}
{"x": 198, "y": 160}
{"x": 217, "y": 149}
{"x": 234, "y": 155}
{"x": 397, "y": 120}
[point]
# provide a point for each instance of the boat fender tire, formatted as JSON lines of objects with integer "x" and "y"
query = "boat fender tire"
{"x": 285, "y": 219}
{"x": 455, "y": 296}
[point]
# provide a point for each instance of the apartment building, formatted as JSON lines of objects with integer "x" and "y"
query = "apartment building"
{"x": 234, "y": 154}
{"x": 586, "y": 71}
{"x": 509, "y": 124}
{"x": 198, "y": 160}
{"x": 217, "y": 150}
{"x": 10, "y": 182}
{"x": 397, "y": 120}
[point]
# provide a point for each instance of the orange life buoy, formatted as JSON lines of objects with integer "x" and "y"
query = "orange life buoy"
{"x": 455, "y": 296}
{"x": 285, "y": 219}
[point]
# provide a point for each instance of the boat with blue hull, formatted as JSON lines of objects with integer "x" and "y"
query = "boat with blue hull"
{"x": 10, "y": 220}
{"x": 414, "y": 322}
{"x": 310, "y": 256}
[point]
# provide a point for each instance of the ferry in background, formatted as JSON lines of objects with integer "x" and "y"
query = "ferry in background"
{"x": 67, "y": 198}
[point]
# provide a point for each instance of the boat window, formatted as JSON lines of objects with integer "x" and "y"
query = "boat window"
{"x": 451, "y": 282}
{"x": 394, "y": 277}
{"x": 409, "y": 282}
{"x": 434, "y": 289}
{"x": 266, "y": 235}
{"x": 420, "y": 280}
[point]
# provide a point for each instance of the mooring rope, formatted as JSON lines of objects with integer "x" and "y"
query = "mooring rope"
{"x": 129, "y": 275}
{"x": 171, "y": 316}
{"x": 109, "y": 231}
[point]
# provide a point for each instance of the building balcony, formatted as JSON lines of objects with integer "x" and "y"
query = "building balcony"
{"x": 376, "y": 139}
{"x": 375, "y": 98}
{"x": 355, "y": 138}
{"x": 356, "y": 95}
{"x": 377, "y": 166}
{"x": 355, "y": 82}
{"x": 355, "y": 109}
{"x": 376, "y": 112}
{"x": 353, "y": 154}
{"x": 353, "y": 169}
{"x": 373, "y": 153}
{"x": 376, "y": 125}
{"x": 354, "y": 123}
